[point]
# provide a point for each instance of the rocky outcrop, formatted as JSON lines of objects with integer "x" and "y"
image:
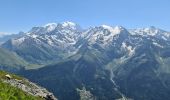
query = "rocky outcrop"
{"x": 29, "y": 87}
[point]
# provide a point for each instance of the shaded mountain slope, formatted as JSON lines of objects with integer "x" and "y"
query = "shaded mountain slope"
{"x": 10, "y": 61}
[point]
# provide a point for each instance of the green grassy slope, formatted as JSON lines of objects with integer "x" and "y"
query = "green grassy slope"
{"x": 8, "y": 92}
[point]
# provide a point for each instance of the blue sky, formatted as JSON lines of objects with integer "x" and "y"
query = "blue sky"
{"x": 21, "y": 15}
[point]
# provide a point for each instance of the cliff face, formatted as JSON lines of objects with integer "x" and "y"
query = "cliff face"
{"x": 23, "y": 87}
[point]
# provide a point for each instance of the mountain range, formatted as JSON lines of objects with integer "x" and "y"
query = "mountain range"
{"x": 6, "y": 37}
{"x": 98, "y": 63}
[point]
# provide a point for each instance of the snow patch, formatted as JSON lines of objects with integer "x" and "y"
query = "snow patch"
{"x": 129, "y": 48}
{"x": 158, "y": 45}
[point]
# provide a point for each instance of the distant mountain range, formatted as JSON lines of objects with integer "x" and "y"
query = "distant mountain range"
{"x": 6, "y": 37}
{"x": 99, "y": 63}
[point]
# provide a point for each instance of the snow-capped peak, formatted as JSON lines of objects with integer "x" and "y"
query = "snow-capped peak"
{"x": 104, "y": 34}
{"x": 152, "y": 31}
{"x": 68, "y": 23}
{"x": 50, "y": 26}
{"x": 107, "y": 27}
{"x": 114, "y": 30}
{"x": 118, "y": 29}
